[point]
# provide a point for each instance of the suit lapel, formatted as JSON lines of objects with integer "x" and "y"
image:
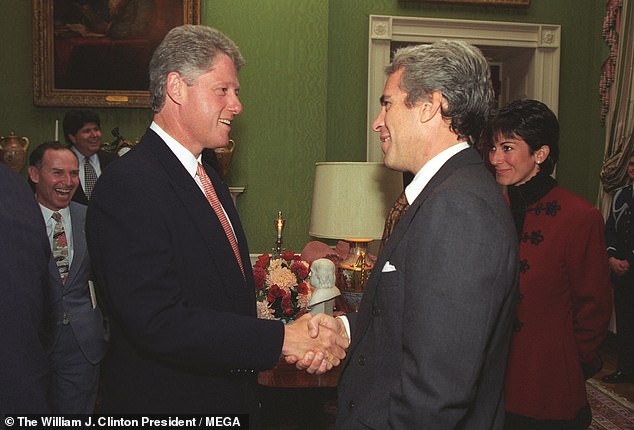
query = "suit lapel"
{"x": 79, "y": 242}
{"x": 227, "y": 202}
{"x": 449, "y": 168}
{"x": 201, "y": 212}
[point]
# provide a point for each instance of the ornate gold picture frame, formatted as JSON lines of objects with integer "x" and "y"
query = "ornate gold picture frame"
{"x": 96, "y": 52}
{"x": 486, "y": 2}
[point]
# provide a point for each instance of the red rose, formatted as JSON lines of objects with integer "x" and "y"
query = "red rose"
{"x": 274, "y": 293}
{"x": 263, "y": 261}
{"x": 259, "y": 277}
{"x": 287, "y": 305}
{"x": 303, "y": 288}
{"x": 289, "y": 255}
{"x": 299, "y": 269}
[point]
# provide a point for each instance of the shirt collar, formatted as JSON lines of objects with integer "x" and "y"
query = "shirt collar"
{"x": 187, "y": 159}
{"x": 48, "y": 213}
{"x": 430, "y": 168}
{"x": 81, "y": 157}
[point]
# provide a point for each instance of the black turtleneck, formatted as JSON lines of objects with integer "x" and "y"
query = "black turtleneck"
{"x": 522, "y": 196}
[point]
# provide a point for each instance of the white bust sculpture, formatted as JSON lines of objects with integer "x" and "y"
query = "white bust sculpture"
{"x": 322, "y": 279}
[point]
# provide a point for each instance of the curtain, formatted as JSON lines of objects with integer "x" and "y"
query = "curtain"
{"x": 619, "y": 115}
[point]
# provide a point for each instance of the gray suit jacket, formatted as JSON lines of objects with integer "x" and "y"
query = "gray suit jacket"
{"x": 73, "y": 297}
{"x": 429, "y": 344}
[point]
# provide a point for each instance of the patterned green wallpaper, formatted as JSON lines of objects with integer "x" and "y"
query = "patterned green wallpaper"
{"x": 304, "y": 93}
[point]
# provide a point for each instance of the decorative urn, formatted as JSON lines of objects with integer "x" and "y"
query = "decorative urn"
{"x": 223, "y": 158}
{"x": 13, "y": 151}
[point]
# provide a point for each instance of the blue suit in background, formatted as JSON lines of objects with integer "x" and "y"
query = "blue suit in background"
{"x": 24, "y": 257}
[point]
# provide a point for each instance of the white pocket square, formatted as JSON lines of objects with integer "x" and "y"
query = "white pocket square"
{"x": 388, "y": 267}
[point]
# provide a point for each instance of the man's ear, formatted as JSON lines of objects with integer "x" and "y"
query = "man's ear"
{"x": 431, "y": 107}
{"x": 34, "y": 174}
{"x": 175, "y": 87}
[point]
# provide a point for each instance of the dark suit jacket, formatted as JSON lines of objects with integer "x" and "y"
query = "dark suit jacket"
{"x": 184, "y": 336}
{"x": 24, "y": 257}
{"x": 105, "y": 158}
{"x": 429, "y": 344}
{"x": 619, "y": 227}
{"x": 73, "y": 297}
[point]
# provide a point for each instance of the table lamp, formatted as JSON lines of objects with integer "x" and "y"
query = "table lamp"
{"x": 351, "y": 201}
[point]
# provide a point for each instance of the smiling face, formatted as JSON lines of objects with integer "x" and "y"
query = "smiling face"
{"x": 207, "y": 107}
{"x": 56, "y": 179}
{"x": 87, "y": 140}
{"x": 512, "y": 159}
{"x": 399, "y": 127}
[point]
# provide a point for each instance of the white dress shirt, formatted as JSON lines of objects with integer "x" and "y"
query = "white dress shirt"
{"x": 187, "y": 159}
{"x": 430, "y": 168}
{"x": 94, "y": 161}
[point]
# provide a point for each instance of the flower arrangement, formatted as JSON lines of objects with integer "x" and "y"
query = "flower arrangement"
{"x": 282, "y": 288}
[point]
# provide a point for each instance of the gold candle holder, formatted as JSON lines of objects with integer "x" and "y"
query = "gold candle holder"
{"x": 279, "y": 226}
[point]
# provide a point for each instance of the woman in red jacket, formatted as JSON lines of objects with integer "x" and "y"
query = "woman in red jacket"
{"x": 565, "y": 296}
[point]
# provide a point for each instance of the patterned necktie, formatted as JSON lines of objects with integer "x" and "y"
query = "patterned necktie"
{"x": 90, "y": 177}
{"x": 212, "y": 197}
{"x": 397, "y": 210}
{"x": 60, "y": 246}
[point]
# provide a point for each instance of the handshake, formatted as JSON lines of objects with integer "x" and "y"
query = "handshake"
{"x": 315, "y": 343}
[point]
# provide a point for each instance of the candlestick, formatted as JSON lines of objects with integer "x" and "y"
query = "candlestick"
{"x": 279, "y": 226}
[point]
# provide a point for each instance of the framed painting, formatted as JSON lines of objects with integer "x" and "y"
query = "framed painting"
{"x": 485, "y": 2}
{"x": 96, "y": 53}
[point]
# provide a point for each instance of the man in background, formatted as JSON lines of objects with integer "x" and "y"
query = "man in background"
{"x": 75, "y": 338}
{"x": 619, "y": 235}
{"x": 171, "y": 255}
{"x": 82, "y": 130}
{"x": 24, "y": 258}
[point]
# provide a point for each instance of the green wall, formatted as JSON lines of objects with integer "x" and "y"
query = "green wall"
{"x": 304, "y": 93}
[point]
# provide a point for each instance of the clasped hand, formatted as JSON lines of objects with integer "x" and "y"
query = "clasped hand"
{"x": 315, "y": 343}
{"x": 619, "y": 267}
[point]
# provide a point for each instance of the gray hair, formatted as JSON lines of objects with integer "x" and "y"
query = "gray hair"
{"x": 459, "y": 72}
{"x": 189, "y": 50}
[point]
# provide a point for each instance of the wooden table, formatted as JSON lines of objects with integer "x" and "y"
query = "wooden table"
{"x": 285, "y": 375}
{"x": 293, "y": 400}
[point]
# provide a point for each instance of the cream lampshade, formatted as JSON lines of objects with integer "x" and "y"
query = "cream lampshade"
{"x": 351, "y": 201}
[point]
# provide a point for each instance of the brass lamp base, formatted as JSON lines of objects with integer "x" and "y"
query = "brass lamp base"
{"x": 359, "y": 271}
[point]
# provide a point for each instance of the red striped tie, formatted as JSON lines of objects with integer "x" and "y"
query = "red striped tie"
{"x": 212, "y": 197}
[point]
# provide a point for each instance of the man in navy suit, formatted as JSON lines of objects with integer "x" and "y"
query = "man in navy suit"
{"x": 175, "y": 270}
{"x": 76, "y": 339}
{"x": 82, "y": 130}
{"x": 24, "y": 257}
{"x": 619, "y": 235}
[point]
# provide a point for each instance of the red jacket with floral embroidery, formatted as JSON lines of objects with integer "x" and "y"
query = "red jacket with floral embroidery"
{"x": 564, "y": 309}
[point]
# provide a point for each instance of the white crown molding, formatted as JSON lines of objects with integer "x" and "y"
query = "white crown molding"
{"x": 541, "y": 80}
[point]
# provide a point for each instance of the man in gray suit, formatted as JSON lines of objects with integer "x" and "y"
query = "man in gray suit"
{"x": 76, "y": 338}
{"x": 429, "y": 343}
